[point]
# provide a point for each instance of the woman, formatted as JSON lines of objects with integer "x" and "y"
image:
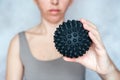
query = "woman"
{"x": 32, "y": 54}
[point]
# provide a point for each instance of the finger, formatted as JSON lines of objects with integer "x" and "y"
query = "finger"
{"x": 96, "y": 41}
{"x": 86, "y": 23}
{"x": 98, "y": 45}
{"x": 83, "y": 60}
{"x": 89, "y": 23}
{"x": 78, "y": 60}
{"x": 93, "y": 31}
{"x": 69, "y": 59}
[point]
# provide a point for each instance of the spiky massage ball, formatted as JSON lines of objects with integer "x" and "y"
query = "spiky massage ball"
{"x": 71, "y": 39}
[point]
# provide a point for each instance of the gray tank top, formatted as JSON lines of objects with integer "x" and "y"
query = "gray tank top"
{"x": 57, "y": 69}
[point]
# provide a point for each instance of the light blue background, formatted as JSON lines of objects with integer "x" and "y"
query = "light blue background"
{"x": 19, "y": 15}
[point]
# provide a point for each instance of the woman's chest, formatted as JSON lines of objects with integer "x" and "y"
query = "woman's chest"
{"x": 43, "y": 49}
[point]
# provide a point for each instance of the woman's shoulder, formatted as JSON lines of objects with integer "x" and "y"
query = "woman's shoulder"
{"x": 30, "y": 31}
{"x": 15, "y": 38}
{"x": 13, "y": 49}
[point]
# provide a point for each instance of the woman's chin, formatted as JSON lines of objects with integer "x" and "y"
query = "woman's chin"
{"x": 55, "y": 20}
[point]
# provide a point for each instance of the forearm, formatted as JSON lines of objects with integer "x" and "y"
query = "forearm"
{"x": 112, "y": 75}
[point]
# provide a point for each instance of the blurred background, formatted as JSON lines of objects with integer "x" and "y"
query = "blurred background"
{"x": 19, "y": 15}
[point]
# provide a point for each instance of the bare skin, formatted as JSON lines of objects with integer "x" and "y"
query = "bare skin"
{"x": 40, "y": 39}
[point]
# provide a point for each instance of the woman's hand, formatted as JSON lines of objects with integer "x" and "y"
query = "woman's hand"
{"x": 96, "y": 58}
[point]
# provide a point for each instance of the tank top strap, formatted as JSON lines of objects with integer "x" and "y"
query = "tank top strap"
{"x": 24, "y": 47}
{"x": 23, "y": 42}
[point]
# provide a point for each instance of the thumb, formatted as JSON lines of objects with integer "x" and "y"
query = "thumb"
{"x": 82, "y": 60}
{"x": 69, "y": 59}
{"x": 78, "y": 60}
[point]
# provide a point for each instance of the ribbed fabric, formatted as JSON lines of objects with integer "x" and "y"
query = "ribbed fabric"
{"x": 57, "y": 69}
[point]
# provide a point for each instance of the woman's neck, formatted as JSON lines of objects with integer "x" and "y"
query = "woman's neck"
{"x": 49, "y": 28}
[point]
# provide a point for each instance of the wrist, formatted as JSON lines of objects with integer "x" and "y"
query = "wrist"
{"x": 114, "y": 74}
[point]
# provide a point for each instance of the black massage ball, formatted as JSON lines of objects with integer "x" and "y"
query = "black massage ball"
{"x": 71, "y": 39}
